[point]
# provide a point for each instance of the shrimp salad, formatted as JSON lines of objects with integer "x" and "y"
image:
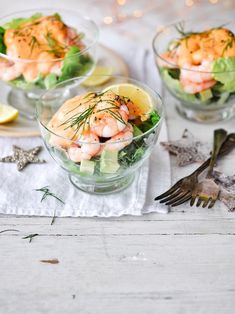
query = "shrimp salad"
{"x": 199, "y": 68}
{"x": 95, "y": 134}
{"x": 41, "y": 51}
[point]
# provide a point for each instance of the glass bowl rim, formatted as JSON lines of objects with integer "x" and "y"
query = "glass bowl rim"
{"x": 37, "y": 10}
{"x": 171, "y": 25}
{"x": 110, "y": 143}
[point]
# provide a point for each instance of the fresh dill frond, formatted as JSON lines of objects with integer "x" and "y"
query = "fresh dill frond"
{"x": 47, "y": 193}
{"x": 180, "y": 27}
{"x": 33, "y": 43}
{"x": 229, "y": 44}
{"x": 30, "y": 237}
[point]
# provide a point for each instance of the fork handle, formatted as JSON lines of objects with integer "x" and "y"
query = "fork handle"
{"x": 220, "y": 136}
{"x": 227, "y": 146}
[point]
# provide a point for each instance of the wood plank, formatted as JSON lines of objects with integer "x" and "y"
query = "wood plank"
{"x": 170, "y": 274}
{"x": 89, "y": 227}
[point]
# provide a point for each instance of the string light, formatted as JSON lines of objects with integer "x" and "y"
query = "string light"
{"x": 121, "y": 2}
{"x": 137, "y": 13}
{"x": 189, "y": 3}
{"x": 118, "y": 17}
{"x": 108, "y": 20}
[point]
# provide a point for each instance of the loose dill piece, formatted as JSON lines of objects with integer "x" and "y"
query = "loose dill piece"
{"x": 30, "y": 237}
{"x": 47, "y": 193}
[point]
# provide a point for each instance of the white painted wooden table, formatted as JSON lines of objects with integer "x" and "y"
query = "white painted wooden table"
{"x": 182, "y": 262}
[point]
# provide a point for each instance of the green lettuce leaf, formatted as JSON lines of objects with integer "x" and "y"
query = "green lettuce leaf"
{"x": 74, "y": 64}
{"x": 148, "y": 124}
{"x": 16, "y": 23}
{"x": 22, "y": 84}
{"x": 224, "y": 72}
{"x": 50, "y": 80}
{"x": 175, "y": 86}
{"x": 2, "y": 44}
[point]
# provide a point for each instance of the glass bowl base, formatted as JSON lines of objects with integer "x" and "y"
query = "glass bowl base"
{"x": 206, "y": 116}
{"x": 101, "y": 187}
{"x": 25, "y": 102}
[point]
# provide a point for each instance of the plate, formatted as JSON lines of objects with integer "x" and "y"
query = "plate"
{"x": 24, "y": 127}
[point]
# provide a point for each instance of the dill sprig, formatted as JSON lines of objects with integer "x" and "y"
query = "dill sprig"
{"x": 229, "y": 43}
{"x": 79, "y": 120}
{"x": 180, "y": 27}
{"x": 30, "y": 237}
{"x": 47, "y": 193}
{"x": 82, "y": 119}
{"x": 33, "y": 43}
{"x": 54, "y": 46}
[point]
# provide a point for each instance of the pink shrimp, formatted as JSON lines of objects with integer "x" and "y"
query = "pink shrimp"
{"x": 196, "y": 78}
{"x": 120, "y": 140}
{"x": 56, "y": 68}
{"x": 193, "y": 88}
{"x": 86, "y": 150}
{"x": 168, "y": 59}
{"x": 196, "y": 73}
{"x": 74, "y": 38}
{"x": 106, "y": 123}
{"x": 9, "y": 71}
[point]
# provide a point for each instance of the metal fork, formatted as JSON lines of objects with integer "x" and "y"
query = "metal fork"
{"x": 182, "y": 190}
{"x": 207, "y": 191}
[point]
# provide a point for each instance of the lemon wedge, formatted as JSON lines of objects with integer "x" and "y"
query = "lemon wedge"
{"x": 7, "y": 113}
{"x": 141, "y": 104}
{"x": 99, "y": 76}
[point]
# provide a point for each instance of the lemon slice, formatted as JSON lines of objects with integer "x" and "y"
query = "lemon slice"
{"x": 7, "y": 113}
{"x": 141, "y": 104}
{"x": 98, "y": 76}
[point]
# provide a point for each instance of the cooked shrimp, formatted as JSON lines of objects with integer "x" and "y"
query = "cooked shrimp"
{"x": 196, "y": 73}
{"x": 209, "y": 45}
{"x": 45, "y": 62}
{"x": 86, "y": 150}
{"x": 75, "y": 154}
{"x": 91, "y": 143}
{"x": 30, "y": 71}
{"x": 168, "y": 59}
{"x": 73, "y": 38}
{"x": 56, "y": 68}
{"x": 120, "y": 140}
{"x": 9, "y": 71}
{"x": 193, "y": 88}
{"x": 110, "y": 116}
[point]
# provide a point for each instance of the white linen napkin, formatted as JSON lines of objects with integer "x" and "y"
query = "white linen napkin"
{"x": 17, "y": 194}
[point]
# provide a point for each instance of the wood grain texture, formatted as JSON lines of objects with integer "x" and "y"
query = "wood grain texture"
{"x": 182, "y": 274}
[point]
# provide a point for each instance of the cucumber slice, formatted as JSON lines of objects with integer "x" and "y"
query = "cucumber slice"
{"x": 223, "y": 97}
{"x": 87, "y": 167}
{"x": 205, "y": 95}
{"x": 109, "y": 161}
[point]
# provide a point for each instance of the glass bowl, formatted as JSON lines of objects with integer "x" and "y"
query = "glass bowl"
{"x": 114, "y": 166}
{"x": 210, "y": 104}
{"x": 52, "y": 57}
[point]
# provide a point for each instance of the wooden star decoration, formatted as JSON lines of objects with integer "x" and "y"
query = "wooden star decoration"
{"x": 23, "y": 157}
{"x": 188, "y": 149}
{"x": 227, "y": 189}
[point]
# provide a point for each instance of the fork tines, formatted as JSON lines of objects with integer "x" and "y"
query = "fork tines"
{"x": 175, "y": 195}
